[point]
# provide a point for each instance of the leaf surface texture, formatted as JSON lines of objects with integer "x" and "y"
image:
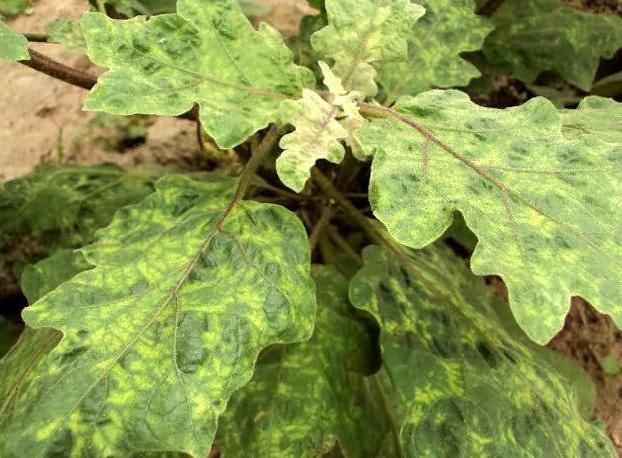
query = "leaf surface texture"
{"x": 307, "y": 398}
{"x": 540, "y": 189}
{"x": 533, "y": 36}
{"x": 168, "y": 324}
{"x": 208, "y": 53}
{"x": 460, "y": 378}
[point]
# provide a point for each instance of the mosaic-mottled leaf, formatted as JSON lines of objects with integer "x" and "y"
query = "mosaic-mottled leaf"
{"x": 461, "y": 378}
{"x": 317, "y": 136}
{"x": 449, "y": 27}
{"x": 362, "y": 36}
{"x": 306, "y": 398}
{"x": 533, "y": 36}
{"x": 13, "y": 45}
{"x": 18, "y": 366}
{"x": 540, "y": 190}
{"x": 207, "y": 54}
{"x": 168, "y": 324}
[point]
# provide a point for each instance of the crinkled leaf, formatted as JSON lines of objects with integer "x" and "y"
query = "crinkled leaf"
{"x": 363, "y": 35}
{"x": 449, "y": 27}
{"x": 533, "y": 36}
{"x": 207, "y": 54}
{"x": 320, "y": 125}
{"x": 306, "y": 398}
{"x": 461, "y": 379}
{"x": 68, "y": 33}
{"x": 316, "y": 137}
{"x": 540, "y": 190}
{"x": 168, "y": 324}
{"x": 13, "y": 45}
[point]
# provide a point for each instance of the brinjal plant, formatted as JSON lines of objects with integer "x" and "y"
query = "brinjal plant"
{"x": 332, "y": 298}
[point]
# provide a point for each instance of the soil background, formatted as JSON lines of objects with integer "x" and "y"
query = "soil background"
{"x": 42, "y": 119}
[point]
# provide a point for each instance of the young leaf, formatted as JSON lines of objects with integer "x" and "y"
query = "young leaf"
{"x": 13, "y": 45}
{"x": 448, "y": 28}
{"x": 460, "y": 378}
{"x": 306, "y": 398}
{"x": 316, "y": 137}
{"x": 207, "y": 54}
{"x": 533, "y": 36}
{"x": 168, "y": 324}
{"x": 540, "y": 191}
{"x": 362, "y": 36}
{"x": 320, "y": 125}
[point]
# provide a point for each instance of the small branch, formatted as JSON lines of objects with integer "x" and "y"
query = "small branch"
{"x": 62, "y": 72}
{"x": 36, "y": 37}
{"x": 346, "y": 206}
{"x": 265, "y": 147}
{"x": 327, "y": 214}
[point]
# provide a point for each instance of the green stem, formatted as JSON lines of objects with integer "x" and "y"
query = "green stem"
{"x": 350, "y": 210}
{"x": 388, "y": 411}
{"x": 261, "y": 152}
{"x": 327, "y": 214}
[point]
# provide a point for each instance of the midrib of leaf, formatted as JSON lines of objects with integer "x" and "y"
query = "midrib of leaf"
{"x": 360, "y": 51}
{"x": 161, "y": 308}
{"x": 473, "y": 166}
{"x": 218, "y": 228}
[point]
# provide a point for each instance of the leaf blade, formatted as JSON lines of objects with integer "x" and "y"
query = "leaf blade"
{"x": 207, "y": 54}
{"x": 196, "y": 324}
{"x": 485, "y": 165}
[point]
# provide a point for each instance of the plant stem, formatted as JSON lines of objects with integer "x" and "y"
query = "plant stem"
{"x": 346, "y": 206}
{"x": 55, "y": 69}
{"x": 386, "y": 406}
{"x": 327, "y": 214}
{"x": 259, "y": 154}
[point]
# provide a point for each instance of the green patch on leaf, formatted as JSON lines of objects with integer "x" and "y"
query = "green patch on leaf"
{"x": 449, "y": 27}
{"x": 168, "y": 324}
{"x": 540, "y": 189}
{"x": 533, "y": 36}
{"x": 306, "y": 399}
{"x": 13, "y": 45}
{"x": 207, "y": 54}
{"x": 459, "y": 377}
